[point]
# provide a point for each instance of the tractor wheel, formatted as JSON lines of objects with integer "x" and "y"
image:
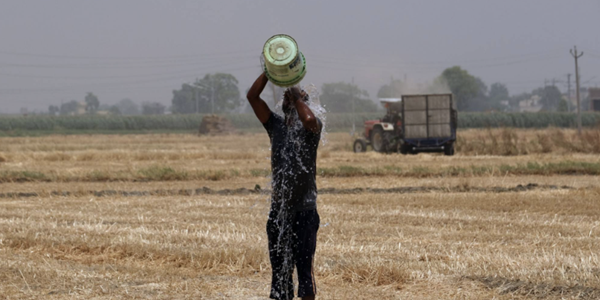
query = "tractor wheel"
{"x": 377, "y": 140}
{"x": 391, "y": 144}
{"x": 404, "y": 149}
{"x": 360, "y": 146}
{"x": 449, "y": 150}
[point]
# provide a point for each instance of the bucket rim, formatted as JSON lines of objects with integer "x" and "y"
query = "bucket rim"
{"x": 282, "y": 62}
{"x": 289, "y": 82}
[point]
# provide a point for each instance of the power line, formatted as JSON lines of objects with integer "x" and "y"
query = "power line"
{"x": 13, "y": 91}
{"x": 387, "y": 66}
{"x": 115, "y": 65}
{"x": 204, "y": 55}
{"x": 516, "y": 62}
{"x": 589, "y": 79}
{"x": 592, "y": 54}
{"x": 186, "y": 71}
{"x": 362, "y": 61}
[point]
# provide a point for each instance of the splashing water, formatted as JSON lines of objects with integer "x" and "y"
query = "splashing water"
{"x": 318, "y": 110}
{"x": 314, "y": 103}
{"x": 284, "y": 181}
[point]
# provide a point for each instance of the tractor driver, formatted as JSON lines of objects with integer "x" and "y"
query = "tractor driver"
{"x": 393, "y": 116}
{"x": 293, "y": 219}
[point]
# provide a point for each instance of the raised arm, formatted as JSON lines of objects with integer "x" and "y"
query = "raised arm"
{"x": 260, "y": 107}
{"x": 308, "y": 119}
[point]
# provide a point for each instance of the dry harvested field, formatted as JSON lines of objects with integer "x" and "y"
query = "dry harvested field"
{"x": 514, "y": 215}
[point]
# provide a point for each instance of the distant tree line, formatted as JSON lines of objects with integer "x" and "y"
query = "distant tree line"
{"x": 472, "y": 94}
{"x": 215, "y": 93}
{"x": 335, "y": 121}
{"x": 219, "y": 93}
{"x": 92, "y": 106}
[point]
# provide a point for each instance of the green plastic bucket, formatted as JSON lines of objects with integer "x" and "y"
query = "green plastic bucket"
{"x": 284, "y": 64}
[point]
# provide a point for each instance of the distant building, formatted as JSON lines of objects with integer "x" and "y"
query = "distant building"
{"x": 583, "y": 93}
{"x": 532, "y": 104}
{"x": 80, "y": 108}
{"x": 594, "y": 94}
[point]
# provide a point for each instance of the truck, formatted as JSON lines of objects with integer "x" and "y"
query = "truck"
{"x": 413, "y": 124}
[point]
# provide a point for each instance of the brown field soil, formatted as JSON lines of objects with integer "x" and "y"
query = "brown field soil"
{"x": 496, "y": 234}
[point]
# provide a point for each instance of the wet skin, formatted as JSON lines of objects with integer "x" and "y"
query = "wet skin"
{"x": 293, "y": 99}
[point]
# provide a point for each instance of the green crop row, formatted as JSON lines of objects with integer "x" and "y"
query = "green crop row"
{"x": 334, "y": 121}
{"x": 526, "y": 120}
{"x": 483, "y": 120}
{"x": 87, "y": 122}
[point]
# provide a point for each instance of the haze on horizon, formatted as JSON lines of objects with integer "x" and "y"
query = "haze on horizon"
{"x": 56, "y": 51}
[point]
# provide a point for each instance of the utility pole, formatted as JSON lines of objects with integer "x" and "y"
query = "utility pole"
{"x": 577, "y": 56}
{"x": 569, "y": 90}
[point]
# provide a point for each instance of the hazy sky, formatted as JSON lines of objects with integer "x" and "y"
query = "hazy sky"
{"x": 53, "y": 51}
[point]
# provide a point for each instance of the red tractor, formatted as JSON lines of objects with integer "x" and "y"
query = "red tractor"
{"x": 383, "y": 135}
{"x": 413, "y": 124}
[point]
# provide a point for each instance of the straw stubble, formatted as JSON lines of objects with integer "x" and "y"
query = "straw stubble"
{"x": 467, "y": 236}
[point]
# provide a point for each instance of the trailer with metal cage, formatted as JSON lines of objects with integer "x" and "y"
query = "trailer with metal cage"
{"x": 429, "y": 123}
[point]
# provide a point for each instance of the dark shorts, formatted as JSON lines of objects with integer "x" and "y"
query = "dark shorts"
{"x": 292, "y": 242}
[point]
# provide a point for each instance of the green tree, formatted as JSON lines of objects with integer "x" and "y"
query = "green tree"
{"x": 516, "y": 99}
{"x": 563, "y": 106}
{"x": 91, "y": 103}
{"x": 465, "y": 87}
{"x": 53, "y": 110}
{"x": 481, "y": 102}
{"x": 69, "y": 108}
{"x": 184, "y": 100}
{"x": 153, "y": 108}
{"x": 216, "y": 93}
{"x": 128, "y": 107}
{"x": 550, "y": 97}
{"x": 219, "y": 90}
{"x": 498, "y": 92}
{"x": 482, "y": 89}
{"x": 114, "y": 110}
{"x": 340, "y": 96}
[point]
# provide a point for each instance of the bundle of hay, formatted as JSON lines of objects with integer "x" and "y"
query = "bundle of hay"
{"x": 215, "y": 125}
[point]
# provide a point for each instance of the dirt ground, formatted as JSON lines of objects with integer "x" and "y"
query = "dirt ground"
{"x": 492, "y": 236}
